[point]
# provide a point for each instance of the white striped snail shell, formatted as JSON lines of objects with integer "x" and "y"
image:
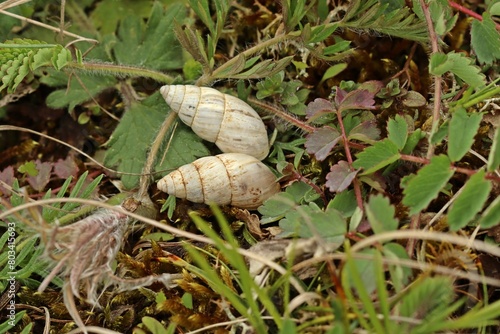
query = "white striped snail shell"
{"x": 219, "y": 118}
{"x": 226, "y": 179}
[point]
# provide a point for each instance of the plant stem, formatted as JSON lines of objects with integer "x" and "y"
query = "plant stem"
{"x": 121, "y": 71}
{"x": 437, "y": 79}
{"x": 155, "y": 147}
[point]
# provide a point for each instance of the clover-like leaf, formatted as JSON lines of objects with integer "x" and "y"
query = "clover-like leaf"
{"x": 375, "y": 157}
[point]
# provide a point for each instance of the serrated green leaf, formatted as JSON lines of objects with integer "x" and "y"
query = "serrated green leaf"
{"x": 463, "y": 128}
{"x": 494, "y": 157}
{"x": 469, "y": 202}
{"x": 485, "y": 39}
{"x": 60, "y": 57}
{"x": 380, "y": 214}
{"x": 425, "y": 186}
{"x": 491, "y": 216}
{"x": 397, "y": 131}
{"x": 132, "y": 139}
{"x": 439, "y": 64}
{"x": 459, "y": 65}
{"x": 76, "y": 94}
{"x": 154, "y": 46}
{"x": 378, "y": 156}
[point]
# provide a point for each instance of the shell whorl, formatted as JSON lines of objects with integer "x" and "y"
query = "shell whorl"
{"x": 223, "y": 119}
{"x": 231, "y": 178}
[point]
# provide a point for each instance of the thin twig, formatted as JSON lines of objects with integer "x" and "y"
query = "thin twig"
{"x": 155, "y": 147}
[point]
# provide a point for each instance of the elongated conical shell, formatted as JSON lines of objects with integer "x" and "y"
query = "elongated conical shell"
{"x": 222, "y": 119}
{"x": 230, "y": 178}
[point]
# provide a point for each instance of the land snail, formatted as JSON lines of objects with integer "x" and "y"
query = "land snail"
{"x": 226, "y": 179}
{"x": 220, "y": 118}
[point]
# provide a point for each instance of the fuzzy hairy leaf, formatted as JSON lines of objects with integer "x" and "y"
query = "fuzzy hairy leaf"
{"x": 485, "y": 39}
{"x": 463, "y": 127}
{"x": 340, "y": 177}
{"x": 380, "y": 214}
{"x": 459, "y": 65}
{"x": 397, "y": 131}
{"x": 154, "y": 45}
{"x": 470, "y": 201}
{"x": 132, "y": 138}
{"x": 322, "y": 141}
{"x": 425, "y": 186}
{"x": 375, "y": 157}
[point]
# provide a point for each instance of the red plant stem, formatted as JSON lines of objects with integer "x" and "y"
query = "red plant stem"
{"x": 355, "y": 183}
{"x": 469, "y": 12}
{"x": 437, "y": 78}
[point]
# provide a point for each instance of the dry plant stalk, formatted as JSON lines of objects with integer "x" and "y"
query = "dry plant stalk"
{"x": 83, "y": 252}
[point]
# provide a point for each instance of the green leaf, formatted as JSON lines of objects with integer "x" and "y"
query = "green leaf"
{"x": 425, "y": 186}
{"x": 470, "y": 201}
{"x": 321, "y": 32}
{"x": 108, "y": 13}
{"x": 153, "y": 325}
{"x": 372, "y": 15}
{"x": 155, "y": 46}
{"x": 413, "y": 141}
{"x": 301, "y": 222}
{"x": 76, "y": 93}
{"x": 397, "y": 131}
{"x": 425, "y": 296}
{"x": 375, "y": 157}
{"x": 400, "y": 274}
{"x": 463, "y": 128}
{"x": 491, "y": 216}
{"x": 132, "y": 139}
{"x": 28, "y": 168}
{"x": 494, "y": 157}
{"x": 459, "y": 65}
{"x": 485, "y": 39}
{"x": 380, "y": 214}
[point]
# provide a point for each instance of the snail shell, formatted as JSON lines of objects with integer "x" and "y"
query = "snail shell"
{"x": 222, "y": 119}
{"x": 230, "y": 178}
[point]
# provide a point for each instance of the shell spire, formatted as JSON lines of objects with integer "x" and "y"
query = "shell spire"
{"x": 223, "y": 119}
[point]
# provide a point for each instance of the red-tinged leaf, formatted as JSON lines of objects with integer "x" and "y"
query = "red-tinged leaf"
{"x": 7, "y": 177}
{"x": 318, "y": 107}
{"x": 366, "y": 132}
{"x": 358, "y": 99}
{"x": 42, "y": 179}
{"x": 66, "y": 168}
{"x": 340, "y": 95}
{"x": 372, "y": 86}
{"x": 340, "y": 177}
{"x": 322, "y": 141}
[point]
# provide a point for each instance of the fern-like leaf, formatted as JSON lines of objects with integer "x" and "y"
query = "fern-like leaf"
{"x": 372, "y": 15}
{"x": 20, "y": 57}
